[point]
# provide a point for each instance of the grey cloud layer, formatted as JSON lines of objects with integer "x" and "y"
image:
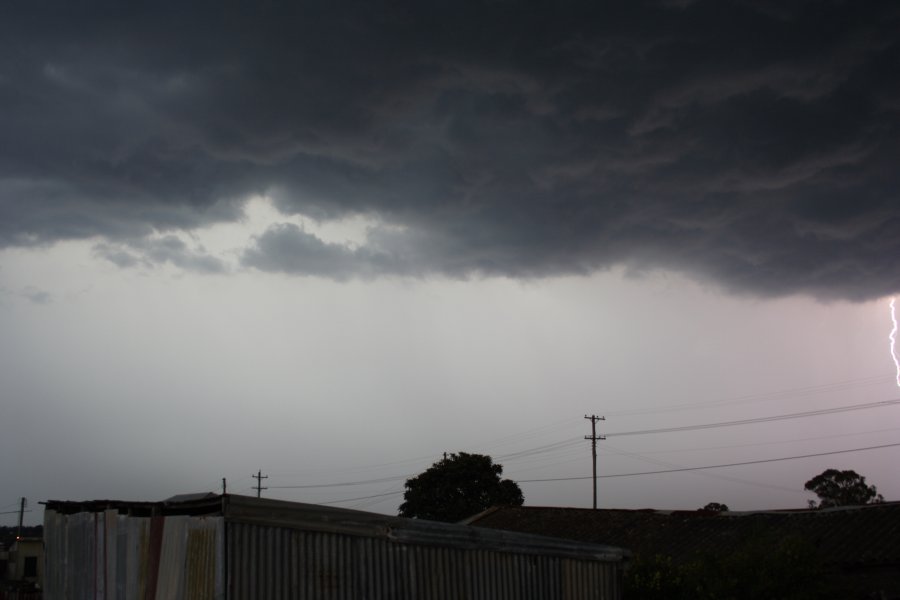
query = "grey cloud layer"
{"x": 754, "y": 144}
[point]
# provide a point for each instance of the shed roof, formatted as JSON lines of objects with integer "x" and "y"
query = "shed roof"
{"x": 313, "y": 517}
{"x": 852, "y": 535}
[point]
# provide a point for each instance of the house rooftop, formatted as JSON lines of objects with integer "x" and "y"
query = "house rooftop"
{"x": 854, "y": 535}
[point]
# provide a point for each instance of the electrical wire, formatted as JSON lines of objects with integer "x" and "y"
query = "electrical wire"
{"x": 340, "y": 484}
{"x": 757, "y": 444}
{"x": 363, "y": 497}
{"x": 565, "y": 446}
{"x": 736, "y": 464}
{"x": 539, "y": 449}
{"x": 763, "y": 397}
{"x": 568, "y": 444}
{"x": 663, "y": 463}
{"x": 799, "y": 415}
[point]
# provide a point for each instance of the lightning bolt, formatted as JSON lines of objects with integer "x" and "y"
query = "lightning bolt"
{"x": 893, "y": 338}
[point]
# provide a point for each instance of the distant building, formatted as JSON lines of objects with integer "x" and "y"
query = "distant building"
{"x": 23, "y": 568}
{"x": 238, "y": 547}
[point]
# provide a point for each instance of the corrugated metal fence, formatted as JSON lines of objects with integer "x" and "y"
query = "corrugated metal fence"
{"x": 108, "y": 556}
{"x": 105, "y": 555}
{"x": 269, "y": 563}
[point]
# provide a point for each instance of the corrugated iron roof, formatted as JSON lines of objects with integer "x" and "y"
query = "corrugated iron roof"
{"x": 859, "y": 535}
{"x": 313, "y": 517}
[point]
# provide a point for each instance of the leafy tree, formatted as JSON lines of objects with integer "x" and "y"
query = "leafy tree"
{"x": 842, "y": 488}
{"x": 458, "y": 486}
{"x": 715, "y": 507}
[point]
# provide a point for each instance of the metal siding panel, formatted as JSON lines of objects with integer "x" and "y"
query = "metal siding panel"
{"x": 153, "y": 554}
{"x": 296, "y": 558}
{"x": 243, "y": 568}
{"x": 201, "y": 558}
{"x": 55, "y": 528}
{"x": 237, "y": 567}
{"x": 137, "y": 557}
{"x": 412, "y": 573}
{"x": 169, "y": 578}
{"x": 282, "y": 558}
{"x": 306, "y": 567}
{"x": 481, "y": 588}
{"x": 99, "y": 556}
{"x": 264, "y": 581}
{"x": 121, "y": 576}
{"x": 472, "y": 589}
{"x": 221, "y": 591}
{"x": 318, "y": 562}
{"x": 323, "y": 573}
{"x": 80, "y": 554}
{"x": 383, "y": 588}
{"x": 487, "y": 585}
{"x": 362, "y": 571}
{"x": 333, "y": 582}
{"x": 187, "y": 557}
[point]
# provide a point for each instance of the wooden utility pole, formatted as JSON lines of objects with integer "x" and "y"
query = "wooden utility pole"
{"x": 21, "y": 517}
{"x": 259, "y": 477}
{"x": 594, "y": 437}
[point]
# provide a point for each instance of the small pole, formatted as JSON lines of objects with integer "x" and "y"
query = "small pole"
{"x": 21, "y": 517}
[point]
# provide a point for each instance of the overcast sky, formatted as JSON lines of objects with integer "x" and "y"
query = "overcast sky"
{"x": 333, "y": 240}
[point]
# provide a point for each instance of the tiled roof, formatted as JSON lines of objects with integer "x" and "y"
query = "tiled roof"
{"x": 859, "y": 535}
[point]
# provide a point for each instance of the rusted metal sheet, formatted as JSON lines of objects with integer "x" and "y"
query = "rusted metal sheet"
{"x": 107, "y": 556}
{"x": 203, "y": 560}
{"x": 248, "y": 549}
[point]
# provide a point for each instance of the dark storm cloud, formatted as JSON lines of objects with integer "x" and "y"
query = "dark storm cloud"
{"x": 290, "y": 249}
{"x": 149, "y": 252}
{"x": 753, "y": 143}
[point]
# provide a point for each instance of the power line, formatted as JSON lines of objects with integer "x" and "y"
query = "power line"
{"x": 763, "y": 397}
{"x": 737, "y": 464}
{"x": 549, "y": 448}
{"x": 502, "y": 441}
{"x": 506, "y": 457}
{"x": 757, "y": 444}
{"x": 670, "y": 465}
{"x": 615, "y": 451}
{"x": 538, "y": 449}
{"x": 368, "y": 467}
{"x": 514, "y": 437}
{"x": 363, "y": 497}
{"x": 570, "y": 443}
{"x": 799, "y": 415}
{"x": 339, "y": 484}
